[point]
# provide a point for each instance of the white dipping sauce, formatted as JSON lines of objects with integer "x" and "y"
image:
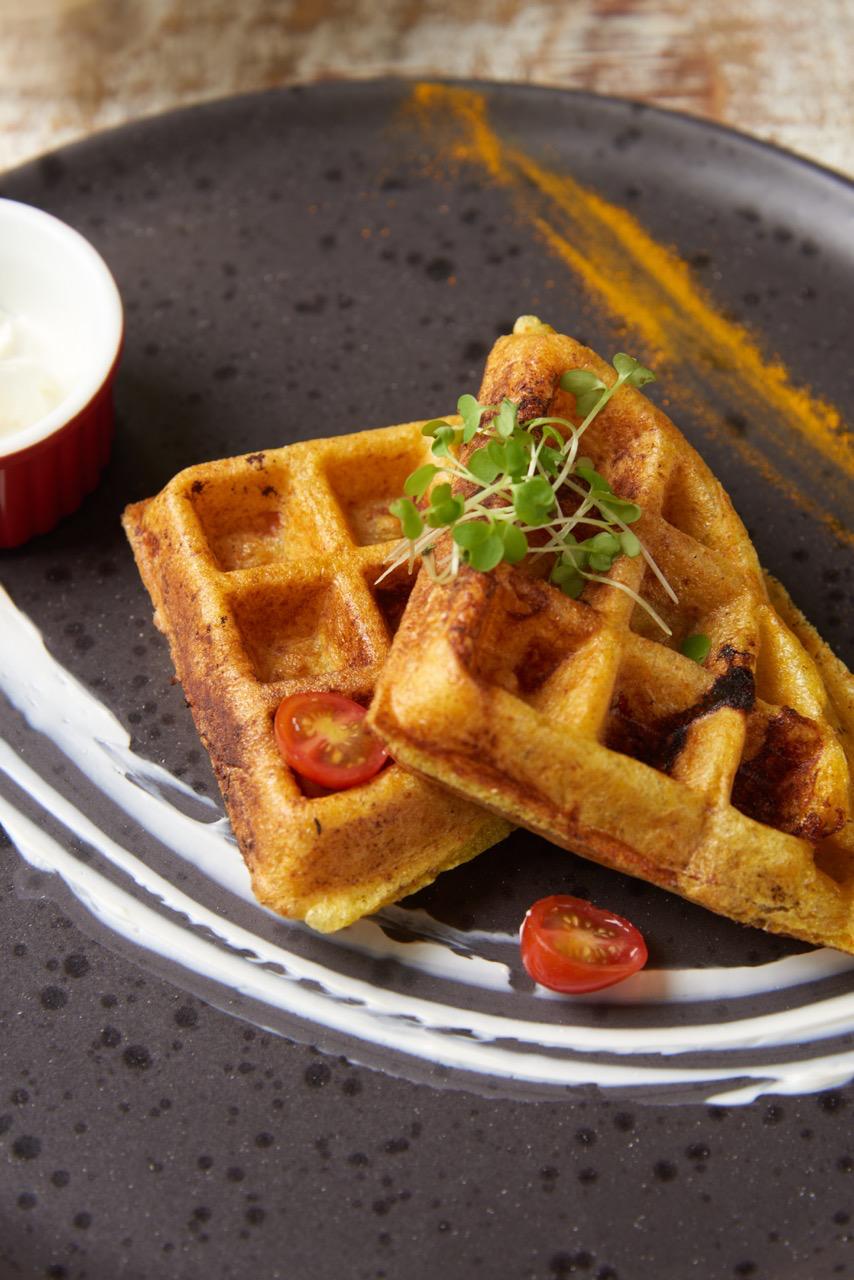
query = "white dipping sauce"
{"x": 29, "y": 387}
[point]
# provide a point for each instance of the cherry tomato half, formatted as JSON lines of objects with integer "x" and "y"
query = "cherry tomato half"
{"x": 571, "y": 946}
{"x": 323, "y": 737}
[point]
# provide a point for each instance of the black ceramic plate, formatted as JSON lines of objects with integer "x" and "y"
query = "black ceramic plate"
{"x": 400, "y": 1100}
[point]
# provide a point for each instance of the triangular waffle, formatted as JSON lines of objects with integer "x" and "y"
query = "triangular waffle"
{"x": 726, "y": 782}
{"x": 262, "y": 571}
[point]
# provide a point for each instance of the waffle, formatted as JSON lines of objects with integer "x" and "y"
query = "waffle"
{"x": 262, "y": 571}
{"x": 726, "y": 782}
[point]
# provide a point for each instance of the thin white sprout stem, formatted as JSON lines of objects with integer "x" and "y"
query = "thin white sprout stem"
{"x": 646, "y": 555}
{"x": 650, "y": 561}
{"x": 535, "y": 459}
{"x": 385, "y": 573}
{"x": 566, "y": 470}
{"x": 621, "y": 586}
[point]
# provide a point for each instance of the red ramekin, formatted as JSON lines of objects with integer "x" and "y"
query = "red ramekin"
{"x": 52, "y": 276}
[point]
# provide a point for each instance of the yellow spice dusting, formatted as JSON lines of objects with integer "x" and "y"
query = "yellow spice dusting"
{"x": 647, "y": 287}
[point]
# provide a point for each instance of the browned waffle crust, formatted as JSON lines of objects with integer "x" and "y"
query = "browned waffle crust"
{"x": 262, "y": 572}
{"x": 728, "y": 783}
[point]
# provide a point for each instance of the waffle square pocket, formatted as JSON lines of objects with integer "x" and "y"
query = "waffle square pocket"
{"x": 262, "y": 570}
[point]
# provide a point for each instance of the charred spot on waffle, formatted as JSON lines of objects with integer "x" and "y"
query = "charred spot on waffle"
{"x": 658, "y": 743}
{"x": 776, "y": 784}
{"x": 731, "y": 659}
{"x": 736, "y": 688}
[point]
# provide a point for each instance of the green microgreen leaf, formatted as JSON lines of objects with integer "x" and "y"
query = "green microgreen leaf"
{"x": 505, "y": 420}
{"x": 614, "y": 508}
{"x": 580, "y": 381}
{"x": 481, "y": 544}
{"x": 513, "y": 480}
{"x": 441, "y": 493}
{"x": 409, "y": 517}
{"x": 567, "y": 577}
{"x": 533, "y": 423}
{"x": 534, "y": 500}
{"x": 515, "y": 542}
{"x": 632, "y": 371}
{"x": 605, "y": 543}
{"x": 587, "y": 389}
{"x": 550, "y": 460}
{"x": 471, "y": 413}
{"x": 435, "y": 424}
{"x": 445, "y": 508}
{"x": 585, "y": 404}
{"x": 515, "y": 458}
{"x": 584, "y": 468}
{"x": 696, "y": 647}
{"x": 483, "y": 465}
{"x": 472, "y": 534}
{"x": 445, "y": 438}
{"x": 549, "y": 432}
{"x": 417, "y": 484}
{"x": 497, "y": 453}
{"x": 487, "y": 554}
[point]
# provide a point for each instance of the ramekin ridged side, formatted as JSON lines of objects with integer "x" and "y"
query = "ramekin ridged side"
{"x": 40, "y": 485}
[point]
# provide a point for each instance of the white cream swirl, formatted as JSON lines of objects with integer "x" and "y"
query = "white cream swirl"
{"x": 498, "y": 1036}
{"x": 29, "y": 384}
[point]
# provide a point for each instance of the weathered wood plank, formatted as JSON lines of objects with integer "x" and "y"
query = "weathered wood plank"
{"x": 784, "y": 72}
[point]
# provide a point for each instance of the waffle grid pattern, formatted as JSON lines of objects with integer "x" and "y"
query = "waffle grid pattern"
{"x": 727, "y": 782}
{"x": 262, "y": 570}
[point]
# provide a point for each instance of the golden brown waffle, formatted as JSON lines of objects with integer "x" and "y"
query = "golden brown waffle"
{"x": 262, "y": 572}
{"x": 728, "y": 782}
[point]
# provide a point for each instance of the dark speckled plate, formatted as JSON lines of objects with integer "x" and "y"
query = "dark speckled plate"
{"x": 311, "y": 262}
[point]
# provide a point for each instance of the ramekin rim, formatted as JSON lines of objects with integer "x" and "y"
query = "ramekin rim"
{"x": 80, "y": 396}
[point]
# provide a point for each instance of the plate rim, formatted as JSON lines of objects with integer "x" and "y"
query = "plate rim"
{"x": 392, "y": 82}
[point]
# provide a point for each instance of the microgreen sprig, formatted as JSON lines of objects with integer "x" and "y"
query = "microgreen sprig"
{"x": 507, "y": 489}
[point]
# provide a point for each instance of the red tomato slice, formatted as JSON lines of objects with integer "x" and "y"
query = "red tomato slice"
{"x": 571, "y": 946}
{"x": 323, "y": 737}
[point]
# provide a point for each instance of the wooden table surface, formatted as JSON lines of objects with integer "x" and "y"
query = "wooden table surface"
{"x": 781, "y": 70}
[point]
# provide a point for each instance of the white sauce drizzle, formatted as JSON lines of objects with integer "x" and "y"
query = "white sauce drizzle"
{"x": 503, "y": 1046}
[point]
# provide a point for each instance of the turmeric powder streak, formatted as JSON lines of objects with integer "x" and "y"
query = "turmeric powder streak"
{"x": 675, "y": 324}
